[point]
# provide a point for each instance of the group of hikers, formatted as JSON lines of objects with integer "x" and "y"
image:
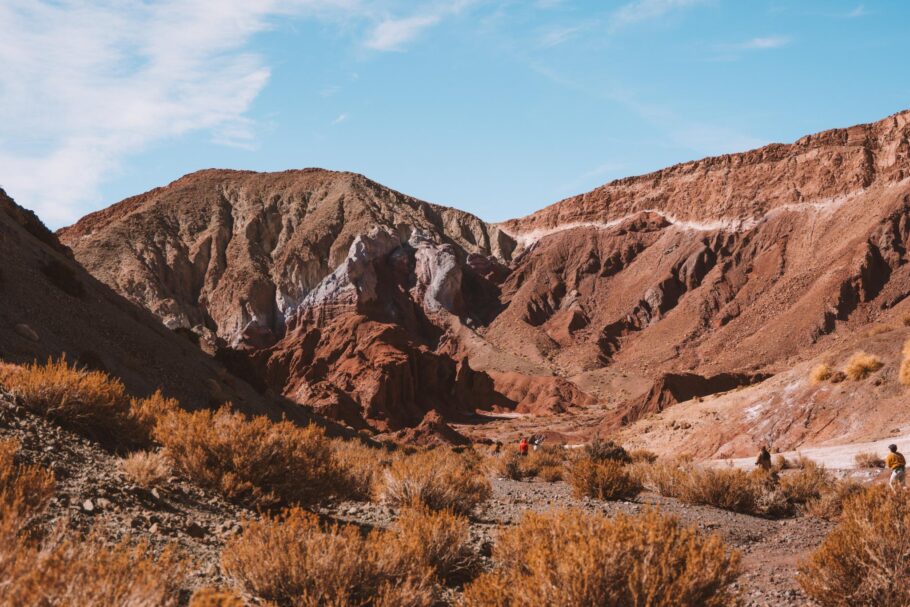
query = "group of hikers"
{"x": 894, "y": 461}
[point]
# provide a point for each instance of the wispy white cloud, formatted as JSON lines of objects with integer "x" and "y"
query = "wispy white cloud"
{"x": 341, "y": 118}
{"x": 559, "y": 35}
{"x": 646, "y": 10}
{"x": 87, "y": 84}
{"x": 393, "y": 34}
{"x": 763, "y": 43}
{"x": 859, "y": 11}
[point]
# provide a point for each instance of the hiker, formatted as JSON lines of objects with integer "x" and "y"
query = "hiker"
{"x": 523, "y": 447}
{"x": 897, "y": 464}
{"x": 764, "y": 459}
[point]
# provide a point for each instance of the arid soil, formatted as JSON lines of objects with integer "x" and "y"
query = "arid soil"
{"x": 93, "y": 493}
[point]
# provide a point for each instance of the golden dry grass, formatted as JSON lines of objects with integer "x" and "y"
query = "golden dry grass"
{"x": 645, "y": 456}
{"x": 863, "y": 561}
{"x": 830, "y": 504}
{"x": 552, "y": 474}
{"x": 60, "y": 571}
{"x": 89, "y": 402}
{"x": 213, "y": 597}
{"x": 868, "y": 460}
{"x": 861, "y": 365}
{"x": 292, "y": 560}
{"x": 511, "y": 466}
{"x": 360, "y": 467}
{"x": 146, "y": 468}
{"x": 820, "y": 373}
{"x": 575, "y": 559}
{"x": 605, "y": 480}
{"x": 439, "y": 479}
{"x": 252, "y": 461}
{"x": 903, "y": 374}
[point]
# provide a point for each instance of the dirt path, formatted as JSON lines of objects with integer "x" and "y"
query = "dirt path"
{"x": 835, "y": 457}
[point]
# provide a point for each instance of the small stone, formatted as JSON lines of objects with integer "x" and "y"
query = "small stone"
{"x": 155, "y": 493}
{"x": 88, "y": 506}
{"x": 195, "y": 530}
{"x": 27, "y": 332}
{"x": 104, "y": 503}
{"x": 154, "y": 528}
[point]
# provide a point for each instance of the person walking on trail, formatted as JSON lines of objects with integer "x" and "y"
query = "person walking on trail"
{"x": 764, "y": 459}
{"x": 897, "y": 464}
{"x": 523, "y": 446}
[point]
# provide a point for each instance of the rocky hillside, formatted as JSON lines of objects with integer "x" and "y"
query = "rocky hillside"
{"x": 51, "y": 307}
{"x": 376, "y": 308}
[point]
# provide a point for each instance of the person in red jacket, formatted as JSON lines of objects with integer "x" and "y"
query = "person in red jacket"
{"x": 523, "y": 446}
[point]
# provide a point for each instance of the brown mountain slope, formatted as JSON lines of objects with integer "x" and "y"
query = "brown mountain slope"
{"x": 50, "y": 306}
{"x": 374, "y": 306}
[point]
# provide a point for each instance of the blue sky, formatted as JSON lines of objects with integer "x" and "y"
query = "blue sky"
{"x": 495, "y": 107}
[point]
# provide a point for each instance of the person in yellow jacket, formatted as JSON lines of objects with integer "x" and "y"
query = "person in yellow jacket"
{"x": 897, "y": 464}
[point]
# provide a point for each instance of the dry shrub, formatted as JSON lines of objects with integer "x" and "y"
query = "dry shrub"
{"x": 831, "y": 503}
{"x": 794, "y": 491}
{"x": 510, "y": 466}
{"x": 574, "y": 559}
{"x": 820, "y": 373}
{"x": 24, "y": 490}
{"x": 552, "y": 474}
{"x": 725, "y": 488}
{"x": 424, "y": 538}
{"x": 547, "y": 455}
{"x": 878, "y": 330}
{"x": 837, "y": 377}
{"x": 863, "y": 561}
{"x": 906, "y": 320}
{"x": 645, "y": 456}
{"x": 252, "y": 461}
{"x": 438, "y": 479}
{"x": 861, "y": 365}
{"x": 360, "y": 467}
{"x": 292, "y": 561}
{"x": 87, "y": 573}
{"x": 904, "y": 372}
{"x": 147, "y": 411}
{"x": 60, "y": 571}
{"x": 146, "y": 468}
{"x": 868, "y": 460}
{"x": 213, "y": 597}
{"x": 89, "y": 402}
{"x": 605, "y": 480}
{"x": 782, "y": 463}
{"x": 601, "y": 450}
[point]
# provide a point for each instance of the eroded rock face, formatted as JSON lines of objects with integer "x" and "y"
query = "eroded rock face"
{"x": 377, "y": 308}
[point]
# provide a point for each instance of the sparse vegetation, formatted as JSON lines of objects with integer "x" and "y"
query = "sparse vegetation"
{"x": 551, "y": 474}
{"x": 904, "y": 372}
{"x": 642, "y": 456}
{"x": 213, "y": 597}
{"x": 868, "y": 460}
{"x": 146, "y": 468}
{"x": 439, "y": 479}
{"x": 253, "y": 461}
{"x": 861, "y": 365}
{"x": 600, "y": 450}
{"x": 291, "y": 560}
{"x": 605, "y": 480}
{"x": 24, "y": 490}
{"x": 575, "y": 559}
{"x": 831, "y": 503}
{"x": 864, "y": 560}
{"x": 820, "y": 373}
{"x": 361, "y": 467}
{"x": 89, "y": 402}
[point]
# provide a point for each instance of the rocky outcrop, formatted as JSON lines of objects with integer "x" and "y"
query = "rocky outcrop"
{"x": 51, "y": 307}
{"x": 672, "y": 388}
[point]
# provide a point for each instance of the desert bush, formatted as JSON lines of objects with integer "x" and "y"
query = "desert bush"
{"x": 438, "y": 540}
{"x": 601, "y": 450}
{"x": 547, "y": 455}
{"x": 89, "y": 402}
{"x": 605, "y": 479}
{"x": 725, "y": 488}
{"x": 837, "y": 377}
{"x": 830, "y": 504}
{"x": 292, "y": 561}
{"x": 861, "y": 365}
{"x": 868, "y": 460}
{"x": 252, "y": 461}
{"x": 642, "y": 456}
{"x": 903, "y": 374}
{"x": 820, "y": 373}
{"x": 510, "y": 466}
{"x": 146, "y": 468}
{"x": 863, "y": 561}
{"x": 574, "y": 559}
{"x": 665, "y": 477}
{"x": 360, "y": 467}
{"x": 24, "y": 490}
{"x": 438, "y": 479}
{"x": 147, "y": 411}
{"x": 791, "y": 494}
{"x": 88, "y": 573}
{"x": 552, "y": 474}
{"x": 782, "y": 463}
{"x": 213, "y": 597}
